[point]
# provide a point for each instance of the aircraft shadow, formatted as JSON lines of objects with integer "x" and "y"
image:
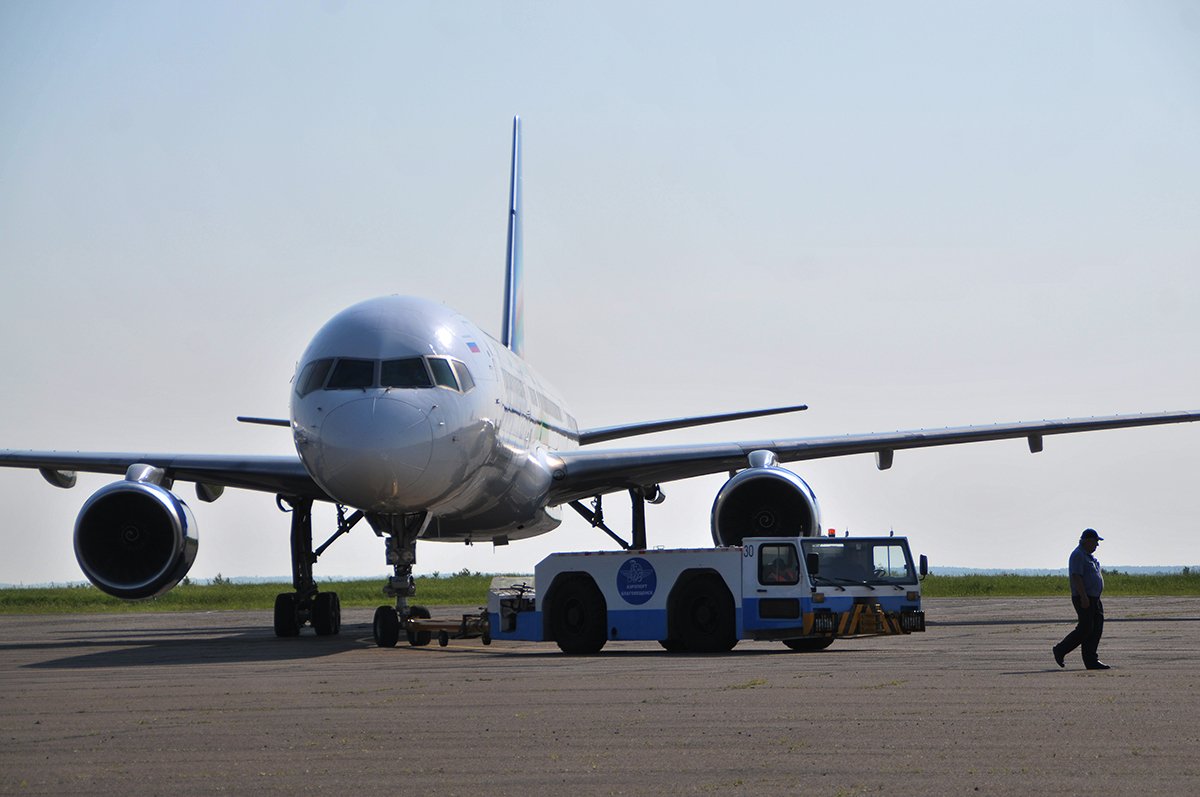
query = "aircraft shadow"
{"x": 616, "y": 649}
{"x": 1058, "y": 621}
{"x": 187, "y": 646}
{"x": 183, "y": 645}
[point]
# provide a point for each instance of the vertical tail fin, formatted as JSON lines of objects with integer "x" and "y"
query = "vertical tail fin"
{"x": 512, "y": 334}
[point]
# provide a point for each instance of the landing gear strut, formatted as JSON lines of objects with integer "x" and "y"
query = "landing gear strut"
{"x": 400, "y": 533}
{"x": 293, "y": 610}
{"x": 638, "y": 496}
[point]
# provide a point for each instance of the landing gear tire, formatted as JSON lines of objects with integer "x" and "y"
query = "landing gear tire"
{"x": 443, "y": 639}
{"x": 419, "y": 639}
{"x": 705, "y": 616}
{"x": 287, "y": 624}
{"x": 578, "y": 617}
{"x": 386, "y": 627}
{"x": 809, "y": 645}
{"x": 672, "y": 645}
{"x": 327, "y": 614}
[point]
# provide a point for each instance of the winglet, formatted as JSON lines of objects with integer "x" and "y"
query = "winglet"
{"x": 512, "y": 333}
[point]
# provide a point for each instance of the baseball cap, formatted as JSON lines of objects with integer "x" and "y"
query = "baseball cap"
{"x": 1090, "y": 534}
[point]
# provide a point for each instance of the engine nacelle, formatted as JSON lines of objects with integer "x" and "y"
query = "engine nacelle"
{"x": 135, "y": 539}
{"x": 764, "y": 502}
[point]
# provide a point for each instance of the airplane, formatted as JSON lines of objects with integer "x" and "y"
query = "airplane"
{"x": 408, "y": 415}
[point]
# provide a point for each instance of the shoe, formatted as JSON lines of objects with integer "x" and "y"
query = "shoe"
{"x": 1098, "y": 665}
{"x": 1058, "y": 657}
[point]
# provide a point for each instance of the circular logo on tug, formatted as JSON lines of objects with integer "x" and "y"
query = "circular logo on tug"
{"x": 636, "y": 581}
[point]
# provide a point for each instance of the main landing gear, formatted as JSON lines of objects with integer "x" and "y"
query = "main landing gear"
{"x": 639, "y": 496}
{"x": 294, "y": 610}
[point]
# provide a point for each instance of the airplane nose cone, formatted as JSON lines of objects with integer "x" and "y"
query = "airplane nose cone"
{"x": 372, "y": 451}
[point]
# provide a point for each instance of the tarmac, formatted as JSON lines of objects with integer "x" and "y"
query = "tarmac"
{"x": 204, "y": 703}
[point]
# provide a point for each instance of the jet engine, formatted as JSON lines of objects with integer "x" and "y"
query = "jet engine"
{"x": 764, "y": 500}
{"x": 135, "y": 539}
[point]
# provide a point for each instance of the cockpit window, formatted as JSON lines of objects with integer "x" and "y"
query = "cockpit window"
{"x": 443, "y": 374}
{"x": 464, "y": 376}
{"x": 350, "y": 374}
{"x": 313, "y": 376}
{"x": 347, "y": 373}
{"x": 409, "y": 372}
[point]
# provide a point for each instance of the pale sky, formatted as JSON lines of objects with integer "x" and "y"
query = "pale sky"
{"x": 905, "y": 215}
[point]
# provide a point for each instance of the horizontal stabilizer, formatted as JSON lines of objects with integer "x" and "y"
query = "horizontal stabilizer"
{"x": 264, "y": 421}
{"x": 589, "y": 436}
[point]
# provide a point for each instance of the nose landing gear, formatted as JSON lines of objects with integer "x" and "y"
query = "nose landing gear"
{"x": 400, "y": 533}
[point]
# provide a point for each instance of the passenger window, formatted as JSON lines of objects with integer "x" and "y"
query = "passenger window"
{"x": 464, "y": 376}
{"x": 313, "y": 376}
{"x": 351, "y": 374}
{"x": 551, "y": 409}
{"x": 778, "y": 564}
{"x": 516, "y": 391}
{"x": 409, "y": 372}
{"x": 442, "y": 373}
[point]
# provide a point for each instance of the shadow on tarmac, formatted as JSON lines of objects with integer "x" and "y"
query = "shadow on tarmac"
{"x": 1064, "y": 619}
{"x": 240, "y": 645}
{"x": 186, "y": 646}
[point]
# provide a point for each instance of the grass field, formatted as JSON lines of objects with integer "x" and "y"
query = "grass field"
{"x": 1115, "y": 584}
{"x": 470, "y": 589}
{"x": 458, "y": 590}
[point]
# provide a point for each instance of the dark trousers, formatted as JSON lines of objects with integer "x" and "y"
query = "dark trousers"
{"x": 1087, "y": 633}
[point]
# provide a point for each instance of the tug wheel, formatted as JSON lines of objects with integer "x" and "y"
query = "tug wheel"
{"x": 704, "y": 616}
{"x": 809, "y": 645}
{"x": 578, "y": 616}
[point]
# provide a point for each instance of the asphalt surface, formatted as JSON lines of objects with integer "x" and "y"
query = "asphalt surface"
{"x": 206, "y": 703}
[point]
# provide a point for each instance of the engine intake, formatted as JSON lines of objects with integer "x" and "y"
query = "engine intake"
{"x": 135, "y": 540}
{"x": 764, "y": 502}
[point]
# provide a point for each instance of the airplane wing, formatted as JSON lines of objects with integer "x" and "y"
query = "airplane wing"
{"x": 273, "y": 474}
{"x": 584, "y": 473}
{"x": 604, "y": 434}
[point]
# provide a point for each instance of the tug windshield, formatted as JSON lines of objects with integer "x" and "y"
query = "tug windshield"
{"x": 863, "y": 560}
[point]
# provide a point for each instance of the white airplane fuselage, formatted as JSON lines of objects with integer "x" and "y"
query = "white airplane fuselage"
{"x": 401, "y": 405}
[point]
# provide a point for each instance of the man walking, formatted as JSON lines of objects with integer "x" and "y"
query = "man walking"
{"x": 1086, "y": 585}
